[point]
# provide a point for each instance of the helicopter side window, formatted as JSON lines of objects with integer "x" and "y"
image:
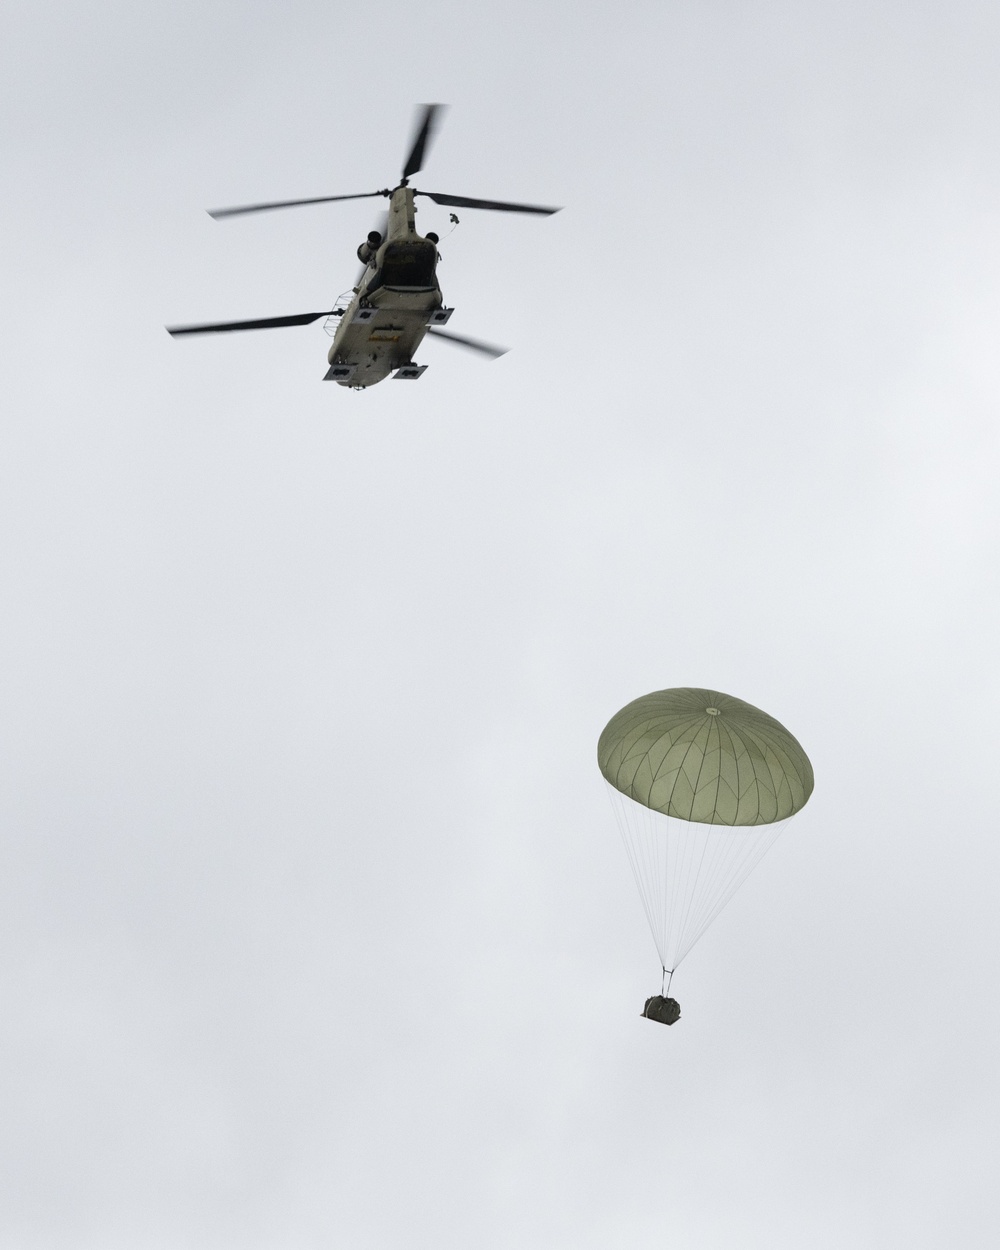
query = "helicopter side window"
{"x": 409, "y": 265}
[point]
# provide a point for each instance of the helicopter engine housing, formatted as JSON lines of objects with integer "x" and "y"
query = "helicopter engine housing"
{"x": 370, "y": 246}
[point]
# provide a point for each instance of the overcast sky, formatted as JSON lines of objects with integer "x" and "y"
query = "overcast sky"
{"x": 315, "y": 926}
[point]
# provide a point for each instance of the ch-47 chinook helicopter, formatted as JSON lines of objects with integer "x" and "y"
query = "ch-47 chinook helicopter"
{"x": 396, "y": 299}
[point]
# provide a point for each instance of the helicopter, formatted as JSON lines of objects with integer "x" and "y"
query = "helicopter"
{"x": 396, "y": 299}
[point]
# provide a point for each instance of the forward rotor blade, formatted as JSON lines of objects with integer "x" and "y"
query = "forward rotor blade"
{"x": 463, "y": 201}
{"x": 425, "y": 133}
{"x": 262, "y": 323}
{"x": 476, "y": 345}
{"x": 219, "y": 213}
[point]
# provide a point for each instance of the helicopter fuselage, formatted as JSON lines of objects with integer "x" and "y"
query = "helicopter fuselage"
{"x": 394, "y": 301}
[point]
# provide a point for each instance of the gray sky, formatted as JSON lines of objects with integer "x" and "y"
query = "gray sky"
{"x": 315, "y": 928}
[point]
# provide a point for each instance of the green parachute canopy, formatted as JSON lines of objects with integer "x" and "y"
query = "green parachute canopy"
{"x": 700, "y": 783}
{"x": 704, "y": 756}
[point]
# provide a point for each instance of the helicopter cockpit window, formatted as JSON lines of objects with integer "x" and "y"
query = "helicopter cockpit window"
{"x": 409, "y": 265}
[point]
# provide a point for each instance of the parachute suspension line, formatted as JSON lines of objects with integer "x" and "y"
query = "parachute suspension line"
{"x": 665, "y": 983}
{"x": 685, "y": 871}
{"x": 633, "y": 849}
{"x": 713, "y": 871}
{"x": 740, "y": 851}
{"x": 686, "y": 884}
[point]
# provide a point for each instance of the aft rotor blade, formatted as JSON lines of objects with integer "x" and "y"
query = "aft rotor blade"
{"x": 477, "y": 345}
{"x": 219, "y": 213}
{"x": 502, "y": 206}
{"x": 262, "y": 323}
{"x": 425, "y": 133}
